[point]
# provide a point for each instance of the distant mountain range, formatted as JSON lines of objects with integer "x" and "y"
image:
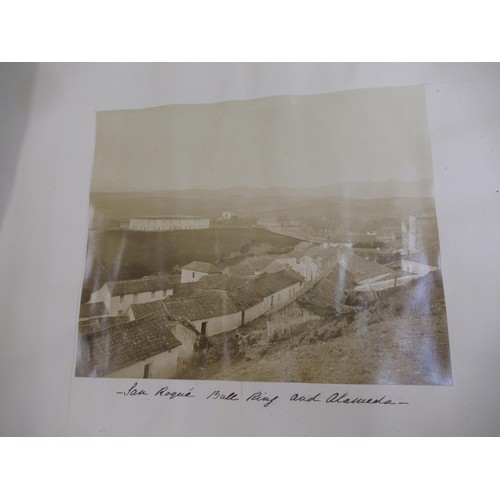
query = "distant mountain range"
{"x": 421, "y": 188}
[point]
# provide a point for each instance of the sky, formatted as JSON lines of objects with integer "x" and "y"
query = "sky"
{"x": 282, "y": 141}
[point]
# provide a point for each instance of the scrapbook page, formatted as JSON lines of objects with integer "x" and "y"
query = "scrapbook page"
{"x": 281, "y": 239}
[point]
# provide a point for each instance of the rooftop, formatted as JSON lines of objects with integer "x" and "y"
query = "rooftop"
{"x": 124, "y": 344}
{"x": 170, "y": 217}
{"x": 249, "y": 266}
{"x": 208, "y": 304}
{"x": 202, "y": 267}
{"x": 212, "y": 303}
{"x": 361, "y": 268}
{"x": 87, "y": 326}
{"x": 146, "y": 284}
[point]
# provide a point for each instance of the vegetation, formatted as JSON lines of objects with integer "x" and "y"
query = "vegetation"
{"x": 121, "y": 254}
{"x": 398, "y": 337}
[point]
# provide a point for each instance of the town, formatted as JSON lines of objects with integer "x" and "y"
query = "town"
{"x": 208, "y": 317}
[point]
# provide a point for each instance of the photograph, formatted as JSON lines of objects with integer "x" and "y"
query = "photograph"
{"x": 291, "y": 238}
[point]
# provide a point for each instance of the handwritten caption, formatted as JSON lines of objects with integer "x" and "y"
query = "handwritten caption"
{"x": 261, "y": 397}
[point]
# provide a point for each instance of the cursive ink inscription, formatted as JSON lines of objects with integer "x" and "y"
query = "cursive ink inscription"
{"x": 344, "y": 398}
{"x": 232, "y": 396}
{"x": 164, "y": 392}
{"x": 262, "y": 397}
{"x": 133, "y": 391}
{"x": 307, "y": 399}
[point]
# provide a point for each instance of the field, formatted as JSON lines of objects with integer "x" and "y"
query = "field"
{"x": 121, "y": 254}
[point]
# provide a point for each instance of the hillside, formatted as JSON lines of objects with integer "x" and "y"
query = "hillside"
{"x": 402, "y": 339}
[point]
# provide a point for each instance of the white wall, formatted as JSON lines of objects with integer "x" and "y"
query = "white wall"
{"x": 256, "y": 311}
{"x": 101, "y": 295}
{"x": 374, "y": 278}
{"x": 188, "y": 338}
{"x": 416, "y": 267}
{"x": 163, "y": 365}
{"x": 219, "y": 324}
{"x": 168, "y": 224}
{"x": 188, "y": 276}
{"x": 118, "y": 304}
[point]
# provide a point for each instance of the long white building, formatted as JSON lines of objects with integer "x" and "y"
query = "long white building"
{"x": 169, "y": 223}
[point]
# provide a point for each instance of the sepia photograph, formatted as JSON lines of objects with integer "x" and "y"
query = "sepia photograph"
{"x": 278, "y": 239}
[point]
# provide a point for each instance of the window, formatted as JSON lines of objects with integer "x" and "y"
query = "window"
{"x": 204, "y": 327}
{"x": 193, "y": 274}
{"x": 147, "y": 370}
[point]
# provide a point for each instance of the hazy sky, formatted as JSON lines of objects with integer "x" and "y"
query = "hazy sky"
{"x": 286, "y": 141}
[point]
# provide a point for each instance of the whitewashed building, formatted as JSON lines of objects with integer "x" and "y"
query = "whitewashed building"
{"x": 229, "y": 303}
{"x": 196, "y": 270}
{"x": 145, "y": 348}
{"x": 117, "y": 296}
{"x": 169, "y": 223}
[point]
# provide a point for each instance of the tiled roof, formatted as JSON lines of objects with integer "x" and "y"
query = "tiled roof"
{"x": 190, "y": 289}
{"x": 361, "y": 268}
{"x": 245, "y": 297}
{"x": 223, "y": 282}
{"x": 93, "y": 310}
{"x": 275, "y": 267}
{"x": 213, "y": 303}
{"x": 430, "y": 257}
{"x": 146, "y": 284}
{"x": 209, "y": 304}
{"x": 121, "y": 345}
{"x": 269, "y": 284}
{"x": 249, "y": 266}
{"x": 318, "y": 251}
{"x": 86, "y": 326}
{"x": 202, "y": 267}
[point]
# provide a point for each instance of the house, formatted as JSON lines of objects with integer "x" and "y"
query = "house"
{"x": 249, "y": 266}
{"x": 87, "y": 326}
{"x": 184, "y": 332}
{"x": 371, "y": 277}
{"x": 310, "y": 262}
{"x": 229, "y": 303}
{"x": 420, "y": 263}
{"x": 210, "y": 312}
{"x": 298, "y": 261}
{"x": 308, "y": 268}
{"x": 117, "y": 296}
{"x": 227, "y": 215}
{"x": 144, "y": 348}
{"x": 364, "y": 271}
{"x": 196, "y": 270}
{"x": 169, "y": 223}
